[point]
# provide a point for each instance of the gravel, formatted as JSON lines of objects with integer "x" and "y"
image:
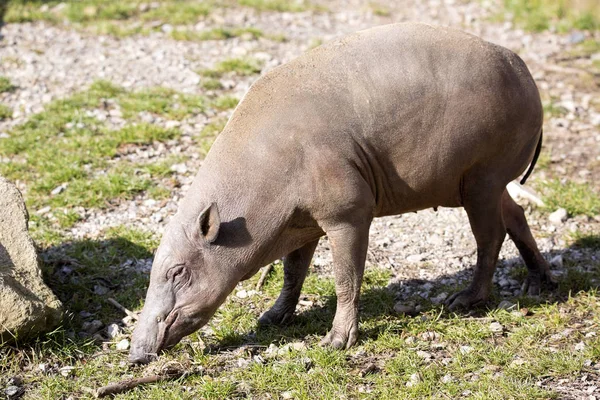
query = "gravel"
{"x": 423, "y": 250}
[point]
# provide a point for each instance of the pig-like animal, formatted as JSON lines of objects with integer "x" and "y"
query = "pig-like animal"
{"x": 389, "y": 120}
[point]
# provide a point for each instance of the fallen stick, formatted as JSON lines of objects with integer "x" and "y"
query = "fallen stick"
{"x": 263, "y": 276}
{"x": 120, "y": 307}
{"x": 129, "y": 384}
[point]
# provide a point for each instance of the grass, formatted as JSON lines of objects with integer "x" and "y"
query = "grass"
{"x": 576, "y": 198}
{"x": 66, "y": 145}
{"x": 217, "y": 34}
{"x": 396, "y": 357}
{"x": 277, "y": 5}
{"x": 563, "y": 15}
{"x": 5, "y": 85}
{"x": 209, "y": 133}
{"x": 379, "y": 10}
{"x": 86, "y": 12}
{"x": 132, "y": 17}
{"x": 225, "y": 102}
{"x": 5, "y": 112}
{"x": 236, "y": 66}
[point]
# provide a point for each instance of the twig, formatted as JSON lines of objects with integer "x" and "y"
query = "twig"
{"x": 124, "y": 386}
{"x": 263, "y": 276}
{"x": 120, "y": 307}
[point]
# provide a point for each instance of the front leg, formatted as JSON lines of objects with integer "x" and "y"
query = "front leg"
{"x": 349, "y": 246}
{"x": 295, "y": 267}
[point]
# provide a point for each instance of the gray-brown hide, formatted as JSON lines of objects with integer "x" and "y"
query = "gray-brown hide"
{"x": 389, "y": 120}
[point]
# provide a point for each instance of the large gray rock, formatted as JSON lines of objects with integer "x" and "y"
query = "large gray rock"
{"x": 27, "y": 306}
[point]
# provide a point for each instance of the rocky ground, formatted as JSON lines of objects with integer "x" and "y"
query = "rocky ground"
{"x": 426, "y": 250}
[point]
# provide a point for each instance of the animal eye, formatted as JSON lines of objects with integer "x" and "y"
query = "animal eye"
{"x": 175, "y": 272}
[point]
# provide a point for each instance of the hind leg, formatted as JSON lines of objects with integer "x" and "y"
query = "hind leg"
{"x": 518, "y": 231}
{"x": 484, "y": 208}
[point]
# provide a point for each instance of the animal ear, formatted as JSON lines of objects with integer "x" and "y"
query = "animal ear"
{"x": 210, "y": 221}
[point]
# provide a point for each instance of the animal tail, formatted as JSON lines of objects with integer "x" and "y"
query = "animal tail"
{"x": 535, "y": 158}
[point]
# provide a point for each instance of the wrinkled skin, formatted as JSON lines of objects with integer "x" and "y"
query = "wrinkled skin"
{"x": 386, "y": 121}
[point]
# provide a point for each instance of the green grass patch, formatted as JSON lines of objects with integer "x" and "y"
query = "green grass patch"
{"x": 5, "y": 112}
{"x": 92, "y": 12}
{"x": 379, "y": 10}
{"x": 551, "y": 109}
{"x": 225, "y": 102}
{"x": 162, "y": 101}
{"x": 564, "y": 15}
{"x": 237, "y": 66}
{"x": 576, "y": 198}
{"x": 586, "y": 240}
{"x": 211, "y": 84}
{"x": 277, "y": 5}
{"x": 217, "y": 34}
{"x": 434, "y": 355}
{"x": 66, "y": 145}
{"x": 209, "y": 133}
{"x": 5, "y": 85}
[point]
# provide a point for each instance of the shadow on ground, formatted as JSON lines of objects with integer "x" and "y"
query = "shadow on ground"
{"x": 580, "y": 272}
{"x": 84, "y": 274}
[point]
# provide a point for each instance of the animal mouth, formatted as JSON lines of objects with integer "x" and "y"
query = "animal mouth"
{"x": 164, "y": 333}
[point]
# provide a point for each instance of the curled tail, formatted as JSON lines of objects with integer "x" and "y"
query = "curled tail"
{"x": 535, "y": 158}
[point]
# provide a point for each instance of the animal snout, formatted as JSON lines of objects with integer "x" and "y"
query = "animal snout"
{"x": 140, "y": 357}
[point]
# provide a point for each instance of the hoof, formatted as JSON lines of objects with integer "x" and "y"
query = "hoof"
{"x": 275, "y": 317}
{"x": 341, "y": 340}
{"x": 465, "y": 299}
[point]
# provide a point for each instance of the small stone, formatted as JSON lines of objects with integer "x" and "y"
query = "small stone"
{"x": 287, "y": 395}
{"x": 100, "y": 290}
{"x": 424, "y": 355}
{"x": 43, "y": 210}
{"x": 242, "y": 362}
{"x": 242, "y": 294}
{"x": 558, "y": 217}
{"x": 447, "y": 378}
{"x": 506, "y": 305}
{"x": 12, "y": 392}
{"x": 576, "y": 37}
{"x": 405, "y": 309}
{"x": 271, "y": 350}
{"x": 465, "y": 349}
{"x": 298, "y": 346}
{"x": 123, "y": 345}
{"x": 113, "y": 330}
{"x": 43, "y": 367}
{"x": 67, "y": 371}
{"x": 59, "y": 189}
{"x": 92, "y": 326}
{"x": 580, "y": 346}
{"x": 258, "y": 359}
{"x": 179, "y": 168}
{"x": 518, "y": 362}
{"x": 167, "y": 28}
{"x": 172, "y": 124}
{"x": 413, "y": 380}
{"x": 429, "y": 336}
{"x": 557, "y": 261}
{"x": 496, "y": 327}
{"x": 439, "y": 298}
{"x": 415, "y": 258}
{"x": 115, "y": 113}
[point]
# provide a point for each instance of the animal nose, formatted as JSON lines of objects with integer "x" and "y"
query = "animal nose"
{"x": 139, "y": 358}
